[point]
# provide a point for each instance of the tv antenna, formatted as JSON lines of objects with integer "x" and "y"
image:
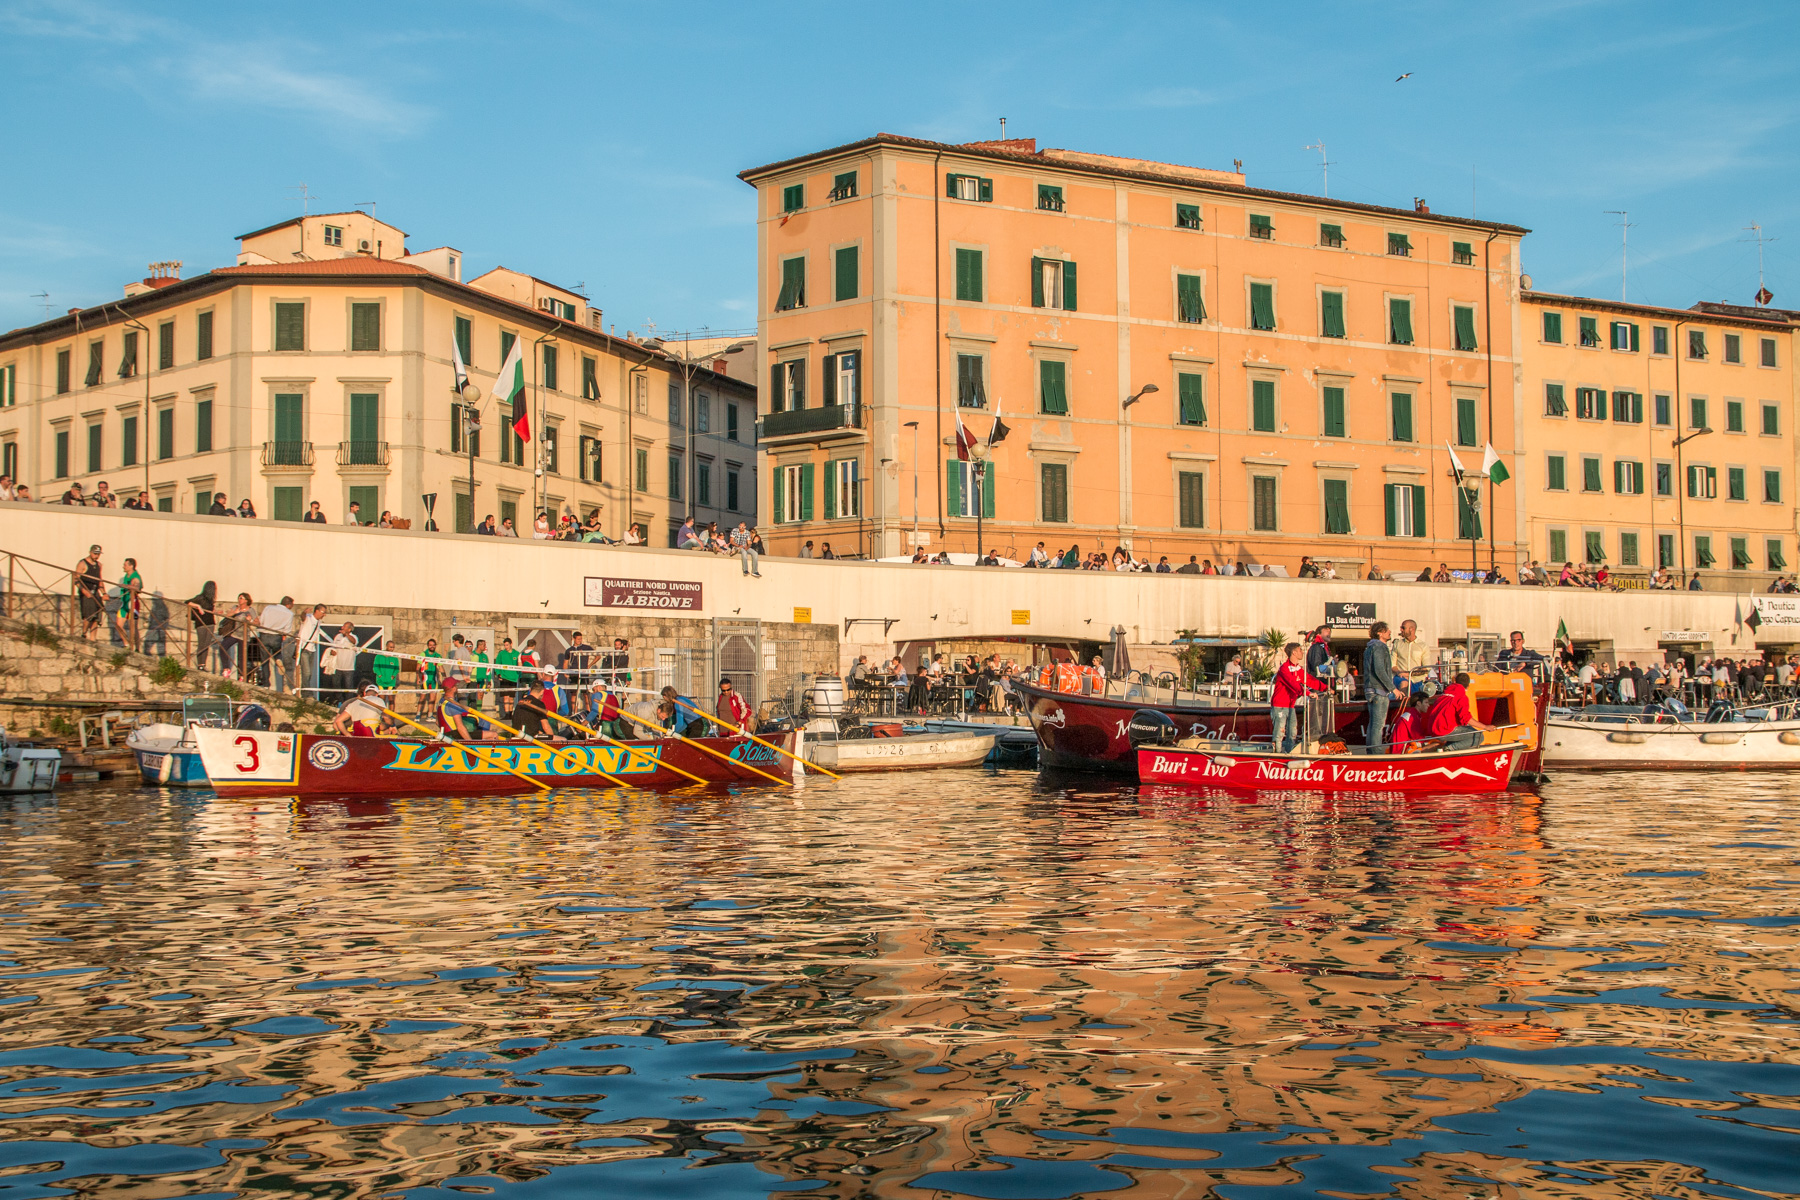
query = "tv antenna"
{"x": 43, "y": 298}
{"x": 1324, "y": 168}
{"x": 1763, "y": 295}
{"x": 371, "y": 206}
{"x": 306, "y": 196}
{"x": 1624, "y": 244}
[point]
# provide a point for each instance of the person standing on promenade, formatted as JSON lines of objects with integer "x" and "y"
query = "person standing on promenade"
{"x": 277, "y": 638}
{"x": 203, "y": 620}
{"x": 341, "y": 659}
{"x": 88, "y": 584}
{"x": 506, "y": 677}
{"x": 1380, "y": 687}
{"x": 481, "y": 661}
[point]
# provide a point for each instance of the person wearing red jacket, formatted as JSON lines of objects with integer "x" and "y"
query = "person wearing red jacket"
{"x": 1292, "y": 682}
{"x": 1451, "y": 718}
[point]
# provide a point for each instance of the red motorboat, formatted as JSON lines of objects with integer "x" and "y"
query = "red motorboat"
{"x": 243, "y": 762}
{"x": 1477, "y": 769}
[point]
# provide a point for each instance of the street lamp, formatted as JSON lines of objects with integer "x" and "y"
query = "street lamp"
{"x": 688, "y": 364}
{"x": 471, "y": 420}
{"x": 978, "y": 461}
{"x": 540, "y": 434}
{"x": 1139, "y": 394}
{"x": 1681, "y": 497}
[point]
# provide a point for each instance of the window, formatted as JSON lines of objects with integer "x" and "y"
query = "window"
{"x": 1053, "y": 481}
{"x": 465, "y": 340}
{"x": 675, "y": 473}
{"x": 1464, "y": 320}
{"x": 843, "y": 490}
{"x": 334, "y": 235}
{"x": 731, "y": 489}
{"x": 9, "y": 459}
{"x": 1262, "y": 405}
{"x": 1664, "y": 408}
{"x": 96, "y": 446}
{"x": 787, "y": 386}
{"x": 1703, "y": 555}
{"x": 1399, "y": 245}
{"x": 289, "y": 449}
{"x": 1400, "y": 322}
{"x": 1628, "y": 548}
{"x": 703, "y": 484}
{"x": 1696, "y": 343}
{"x": 1734, "y": 349}
{"x": 969, "y": 187}
{"x": 365, "y": 327}
{"x": 1261, "y": 227}
{"x": 165, "y": 434}
{"x": 1594, "y": 545}
{"x": 1462, "y": 254}
{"x": 1187, "y": 216}
{"x": 459, "y": 429}
{"x": 793, "y": 284}
{"x": 702, "y": 413}
{"x": 1553, "y": 327}
{"x": 1468, "y": 521}
{"x": 1777, "y": 560}
{"x": 1052, "y": 284}
{"x": 290, "y": 326}
{"x": 1590, "y": 404}
{"x": 1554, "y": 404}
{"x": 1665, "y": 479}
{"x": 1331, "y": 314}
{"x": 1702, "y": 482}
{"x": 1337, "y": 506}
{"x": 1556, "y": 473}
{"x": 1768, "y": 353}
{"x": 1771, "y": 485}
{"x": 62, "y": 454}
{"x": 590, "y": 378}
{"x": 1405, "y": 504}
{"x": 1624, "y": 336}
{"x": 165, "y": 346}
{"x": 1331, "y": 235}
{"x": 1734, "y": 483}
{"x": 843, "y": 186}
{"x": 1049, "y": 198}
{"x": 9, "y": 387}
{"x": 128, "y": 356}
{"x": 96, "y": 354}
{"x": 793, "y": 197}
{"x": 970, "y": 392}
{"x": 1697, "y": 412}
{"x": 588, "y": 452}
{"x": 290, "y": 503}
{"x": 512, "y": 446}
{"x": 675, "y": 417}
{"x": 1190, "y": 391}
{"x": 203, "y": 424}
{"x": 959, "y": 483}
{"x": 731, "y": 422}
{"x": 1771, "y": 420}
{"x": 1190, "y": 301}
{"x": 1559, "y": 545}
{"x": 1628, "y": 408}
{"x": 1400, "y": 410}
{"x": 1628, "y": 477}
{"x": 843, "y": 379}
{"x": 1590, "y": 331}
{"x": 1053, "y": 387}
{"x": 1740, "y": 554}
{"x": 1466, "y": 433}
{"x": 1262, "y": 306}
{"x": 368, "y": 500}
{"x": 62, "y": 371}
{"x": 1190, "y": 499}
{"x": 551, "y": 357}
{"x": 846, "y": 273}
{"x": 365, "y": 429}
{"x": 1659, "y": 340}
{"x": 968, "y": 275}
{"x": 1734, "y": 416}
{"x": 1264, "y": 515}
{"x": 1590, "y": 473}
{"x": 128, "y": 442}
{"x": 640, "y": 398}
{"x": 640, "y": 469}
{"x": 1665, "y": 549}
{"x": 1333, "y": 402}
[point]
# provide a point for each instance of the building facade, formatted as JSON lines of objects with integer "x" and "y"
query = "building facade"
{"x": 1659, "y": 437}
{"x": 320, "y": 368}
{"x": 1186, "y": 365}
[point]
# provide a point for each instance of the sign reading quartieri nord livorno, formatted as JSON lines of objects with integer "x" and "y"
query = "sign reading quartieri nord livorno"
{"x": 606, "y": 591}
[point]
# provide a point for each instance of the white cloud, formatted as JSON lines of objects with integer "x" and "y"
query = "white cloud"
{"x": 238, "y": 75}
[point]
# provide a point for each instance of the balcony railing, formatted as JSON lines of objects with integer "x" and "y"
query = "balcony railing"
{"x": 811, "y": 420}
{"x": 287, "y": 454}
{"x": 362, "y": 454}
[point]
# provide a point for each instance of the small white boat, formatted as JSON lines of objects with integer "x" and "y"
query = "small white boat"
{"x": 907, "y": 752}
{"x": 1669, "y": 737}
{"x": 167, "y": 754}
{"x": 26, "y": 768}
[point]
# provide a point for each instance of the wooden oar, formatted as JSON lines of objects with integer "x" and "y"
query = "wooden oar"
{"x": 476, "y": 750}
{"x": 709, "y": 750}
{"x": 522, "y": 736}
{"x": 777, "y": 749}
{"x": 636, "y": 751}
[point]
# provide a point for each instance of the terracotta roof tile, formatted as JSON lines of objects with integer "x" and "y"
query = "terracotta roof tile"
{"x": 355, "y": 265}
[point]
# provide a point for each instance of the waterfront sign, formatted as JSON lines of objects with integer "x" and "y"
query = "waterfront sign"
{"x": 803, "y": 616}
{"x": 1349, "y": 615}
{"x": 1778, "y": 610}
{"x": 1021, "y": 616}
{"x": 605, "y": 591}
{"x": 1685, "y": 635}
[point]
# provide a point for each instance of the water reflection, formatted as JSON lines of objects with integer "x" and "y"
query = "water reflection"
{"x": 955, "y": 984}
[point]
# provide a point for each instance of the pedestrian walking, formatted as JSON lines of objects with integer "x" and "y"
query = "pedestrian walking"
{"x": 88, "y": 584}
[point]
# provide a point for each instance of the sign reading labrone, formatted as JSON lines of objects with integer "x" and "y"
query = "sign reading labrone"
{"x": 605, "y": 591}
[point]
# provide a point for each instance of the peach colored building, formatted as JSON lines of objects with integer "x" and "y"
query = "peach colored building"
{"x": 1310, "y": 359}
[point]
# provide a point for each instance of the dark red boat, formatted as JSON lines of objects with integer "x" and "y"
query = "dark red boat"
{"x": 1477, "y": 769}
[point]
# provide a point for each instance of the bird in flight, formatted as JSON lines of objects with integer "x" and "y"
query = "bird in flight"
{"x": 1408, "y": 75}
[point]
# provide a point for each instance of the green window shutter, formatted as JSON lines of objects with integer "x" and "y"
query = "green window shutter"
{"x": 843, "y": 186}
{"x": 465, "y": 340}
{"x": 953, "y": 483}
{"x": 777, "y": 387}
{"x": 793, "y": 284}
{"x": 1037, "y": 283}
{"x": 1190, "y": 302}
{"x": 365, "y": 327}
{"x": 1068, "y": 274}
{"x": 827, "y": 374}
{"x": 1465, "y": 328}
{"x": 1388, "y": 500}
{"x": 1331, "y": 314}
{"x": 1554, "y": 404}
{"x": 1191, "y": 486}
{"x": 203, "y": 335}
{"x": 1331, "y": 235}
{"x": 1262, "y": 405}
{"x": 62, "y": 454}
{"x": 590, "y": 378}
{"x": 1337, "y": 506}
{"x": 1553, "y": 327}
{"x": 203, "y": 414}
{"x": 1403, "y": 422}
{"x": 1634, "y": 338}
{"x": 1465, "y": 422}
{"x": 779, "y": 473}
{"x": 969, "y": 276}
{"x": 1772, "y": 486}
{"x": 290, "y": 420}
{"x": 290, "y": 327}
{"x": 456, "y": 431}
{"x": 849, "y": 278}
{"x": 165, "y": 350}
{"x": 1771, "y": 419}
{"x": 551, "y": 358}
{"x": 1056, "y": 491}
{"x": 1418, "y": 503}
{"x": 1400, "y": 322}
{"x": 1590, "y": 475}
{"x": 1556, "y": 473}
{"x": 1398, "y": 243}
{"x": 793, "y": 197}
{"x": 96, "y": 442}
{"x": 1777, "y": 560}
{"x": 806, "y": 491}
{"x": 1262, "y": 306}
{"x": 1590, "y": 331}
{"x": 370, "y": 500}
{"x": 1740, "y": 553}
{"x": 1734, "y": 483}
{"x": 1334, "y": 412}
{"x": 165, "y": 432}
{"x": 1468, "y": 521}
{"x": 1703, "y": 555}
{"x": 1462, "y": 252}
{"x": 831, "y": 476}
{"x": 1593, "y": 546}
{"x": 1619, "y": 476}
{"x": 1191, "y": 389}
{"x": 1734, "y": 416}
{"x": 1053, "y": 388}
{"x": 365, "y": 420}
{"x": 506, "y": 345}
{"x": 987, "y": 493}
{"x": 987, "y": 191}
{"x": 289, "y": 503}
{"x": 950, "y": 186}
{"x": 128, "y": 445}
{"x": 1187, "y": 216}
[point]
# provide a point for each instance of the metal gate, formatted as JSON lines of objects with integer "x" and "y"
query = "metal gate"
{"x": 738, "y": 654}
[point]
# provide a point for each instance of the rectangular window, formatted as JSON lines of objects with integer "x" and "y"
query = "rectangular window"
{"x": 1331, "y": 235}
{"x": 1768, "y": 354}
{"x": 702, "y": 413}
{"x": 731, "y": 422}
{"x": 1052, "y": 284}
{"x": 1594, "y": 545}
{"x": 1331, "y": 314}
{"x": 1771, "y": 420}
{"x": 290, "y": 430}
{"x": 1054, "y": 478}
{"x": 791, "y": 385}
{"x": 1734, "y": 348}
{"x": 1190, "y": 491}
{"x": 1400, "y": 331}
{"x": 203, "y": 425}
{"x": 1554, "y": 404}
{"x": 1049, "y": 198}
{"x": 590, "y": 378}
{"x": 731, "y": 490}
{"x": 1400, "y": 408}
{"x": 1264, "y": 516}
{"x": 9, "y": 459}
{"x": 62, "y": 454}
{"x": 1187, "y": 216}
{"x": 128, "y": 442}
{"x": 846, "y": 273}
{"x": 1190, "y": 302}
{"x": 843, "y": 378}
{"x": 793, "y": 197}
{"x": 1466, "y": 432}
{"x": 1702, "y": 482}
{"x": 128, "y": 357}
{"x": 290, "y": 326}
{"x": 9, "y": 387}
{"x": 1696, "y": 343}
{"x": 1590, "y": 404}
{"x": 640, "y": 470}
{"x": 1337, "y": 506}
{"x": 1771, "y": 485}
{"x": 465, "y": 340}
{"x": 203, "y": 336}
{"x": 843, "y": 186}
{"x": 675, "y": 416}
{"x": 1703, "y": 555}
{"x": 1740, "y": 554}
{"x": 1261, "y": 227}
{"x": 1262, "y": 405}
{"x": 1053, "y": 388}
{"x": 1628, "y": 548}
{"x": 793, "y": 284}
{"x": 1663, "y": 408}
{"x": 1590, "y": 473}
{"x": 1553, "y": 327}
{"x": 969, "y": 275}
{"x": 1777, "y": 560}
{"x": 959, "y": 482}
{"x": 1697, "y": 412}
{"x": 969, "y": 187}
{"x": 1465, "y": 326}
{"x": 1665, "y": 479}
{"x": 1624, "y": 336}
{"x": 165, "y": 346}
{"x": 63, "y": 372}
{"x": 1556, "y": 473}
{"x": 96, "y": 356}
{"x": 550, "y": 360}
{"x": 1590, "y": 331}
{"x": 1190, "y": 390}
{"x": 1462, "y": 254}
{"x": 1334, "y": 412}
{"x": 96, "y": 447}
{"x": 1262, "y": 306}
{"x": 459, "y": 428}
{"x": 334, "y": 235}
{"x": 1628, "y": 477}
{"x": 1659, "y": 341}
{"x": 587, "y": 458}
{"x": 365, "y": 327}
{"x": 165, "y": 434}
{"x": 1405, "y": 504}
{"x": 703, "y": 484}
{"x": 1628, "y": 408}
{"x": 1735, "y": 488}
{"x": 843, "y": 490}
{"x": 1734, "y": 416}
{"x": 1559, "y": 545}
{"x": 970, "y": 391}
{"x": 675, "y": 473}
{"x": 1399, "y": 244}
{"x": 1665, "y": 549}
{"x": 365, "y": 429}
{"x": 290, "y": 503}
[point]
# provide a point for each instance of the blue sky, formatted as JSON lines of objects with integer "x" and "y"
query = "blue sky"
{"x": 599, "y": 144}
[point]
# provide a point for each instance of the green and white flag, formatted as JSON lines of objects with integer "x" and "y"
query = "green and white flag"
{"x": 1493, "y": 468}
{"x": 509, "y": 389}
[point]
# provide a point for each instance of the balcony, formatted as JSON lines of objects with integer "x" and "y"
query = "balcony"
{"x": 362, "y": 454}
{"x": 287, "y": 456}
{"x": 832, "y": 420}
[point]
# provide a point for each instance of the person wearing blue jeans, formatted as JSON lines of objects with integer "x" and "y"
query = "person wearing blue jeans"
{"x": 1292, "y": 682}
{"x": 740, "y": 538}
{"x": 1379, "y": 685}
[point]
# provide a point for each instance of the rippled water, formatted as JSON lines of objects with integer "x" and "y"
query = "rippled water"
{"x": 944, "y": 984}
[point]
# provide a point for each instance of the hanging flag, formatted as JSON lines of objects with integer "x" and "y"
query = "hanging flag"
{"x": 456, "y": 362}
{"x": 1754, "y": 620}
{"x": 509, "y": 388}
{"x": 1763, "y": 296}
{"x": 1455, "y": 462}
{"x": 998, "y": 433}
{"x": 1493, "y": 468}
{"x": 1562, "y": 633}
{"x": 965, "y": 442}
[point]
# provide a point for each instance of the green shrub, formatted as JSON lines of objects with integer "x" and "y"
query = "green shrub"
{"x": 168, "y": 673}
{"x": 61, "y": 726}
{"x": 119, "y": 659}
{"x": 231, "y": 689}
{"x": 38, "y": 635}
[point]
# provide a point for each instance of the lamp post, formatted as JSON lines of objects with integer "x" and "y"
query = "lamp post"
{"x": 688, "y": 363}
{"x": 471, "y": 428}
{"x": 1126, "y": 516}
{"x": 540, "y": 434}
{"x": 978, "y": 469}
{"x": 1681, "y": 496}
{"x": 133, "y": 323}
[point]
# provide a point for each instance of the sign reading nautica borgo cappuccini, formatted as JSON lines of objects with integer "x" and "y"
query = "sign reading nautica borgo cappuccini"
{"x": 1349, "y": 615}
{"x": 606, "y": 591}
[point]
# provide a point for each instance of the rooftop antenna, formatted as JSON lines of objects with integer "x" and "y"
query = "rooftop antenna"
{"x": 305, "y": 196}
{"x": 1324, "y": 168}
{"x": 1624, "y": 244}
{"x": 45, "y": 298}
{"x": 371, "y": 205}
{"x": 1763, "y": 295}
{"x": 1003, "y": 129}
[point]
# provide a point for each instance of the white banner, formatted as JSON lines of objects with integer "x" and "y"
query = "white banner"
{"x": 1778, "y": 610}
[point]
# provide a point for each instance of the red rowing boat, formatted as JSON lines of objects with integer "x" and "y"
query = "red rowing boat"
{"x": 1478, "y": 769}
{"x": 244, "y": 762}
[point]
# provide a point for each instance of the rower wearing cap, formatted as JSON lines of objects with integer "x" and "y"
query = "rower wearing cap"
{"x": 548, "y": 696}
{"x": 363, "y": 715}
{"x": 453, "y": 719}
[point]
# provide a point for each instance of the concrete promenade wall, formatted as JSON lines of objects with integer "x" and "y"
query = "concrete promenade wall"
{"x": 369, "y": 568}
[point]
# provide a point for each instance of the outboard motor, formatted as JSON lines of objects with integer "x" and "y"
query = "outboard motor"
{"x": 1148, "y": 727}
{"x": 253, "y": 716}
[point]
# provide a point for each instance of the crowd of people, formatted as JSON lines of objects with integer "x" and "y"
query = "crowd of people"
{"x": 942, "y": 685}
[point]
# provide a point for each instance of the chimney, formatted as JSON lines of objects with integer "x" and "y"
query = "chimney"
{"x": 1420, "y": 206}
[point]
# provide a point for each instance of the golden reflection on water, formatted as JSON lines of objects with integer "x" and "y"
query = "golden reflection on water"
{"x": 996, "y": 985}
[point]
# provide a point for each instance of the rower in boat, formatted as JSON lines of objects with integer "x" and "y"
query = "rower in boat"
{"x": 455, "y": 720}
{"x": 1451, "y": 718}
{"x": 363, "y": 715}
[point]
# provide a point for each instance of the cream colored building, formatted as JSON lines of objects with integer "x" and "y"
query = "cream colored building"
{"x": 319, "y": 368}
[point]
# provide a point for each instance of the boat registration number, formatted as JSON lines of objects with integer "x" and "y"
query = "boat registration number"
{"x": 153, "y": 762}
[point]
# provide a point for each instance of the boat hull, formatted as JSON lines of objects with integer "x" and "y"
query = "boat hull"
{"x": 1575, "y": 745}
{"x": 254, "y": 763}
{"x": 1481, "y": 769}
{"x": 906, "y": 753}
{"x": 165, "y": 758}
{"x": 28, "y": 770}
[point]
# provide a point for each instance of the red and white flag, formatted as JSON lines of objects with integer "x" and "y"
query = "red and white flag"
{"x": 965, "y": 442}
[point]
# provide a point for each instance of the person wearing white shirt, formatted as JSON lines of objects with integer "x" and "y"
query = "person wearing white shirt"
{"x": 340, "y": 661}
{"x": 276, "y": 632}
{"x": 308, "y": 641}
{"x": 353, "y": 515}
{"x": 1039, "y": 558}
